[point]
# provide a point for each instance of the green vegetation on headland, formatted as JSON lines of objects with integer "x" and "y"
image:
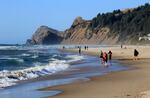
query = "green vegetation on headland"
{"x": 130, "y": 26}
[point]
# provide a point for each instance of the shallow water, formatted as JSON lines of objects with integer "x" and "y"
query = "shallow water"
{"x": 73, "y": 74}
{"x": 29, "y": 90}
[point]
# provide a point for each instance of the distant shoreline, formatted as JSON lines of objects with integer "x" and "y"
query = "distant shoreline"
{"x": 11, "y": 44}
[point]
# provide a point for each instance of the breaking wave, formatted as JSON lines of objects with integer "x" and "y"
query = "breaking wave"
{"x": 9, "y": 78}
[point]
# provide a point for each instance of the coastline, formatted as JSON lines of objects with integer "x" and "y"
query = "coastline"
{"x": 121, "y": 84}
{"x": 80, "y": 68}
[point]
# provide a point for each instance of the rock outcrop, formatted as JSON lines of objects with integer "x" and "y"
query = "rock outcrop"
{"x": 81, "y": 33}
{"x": 117, "y": 27}
{"x": 45, "y": 35}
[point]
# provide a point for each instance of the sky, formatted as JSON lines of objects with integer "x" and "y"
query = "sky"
{"x": 20, "y": 18}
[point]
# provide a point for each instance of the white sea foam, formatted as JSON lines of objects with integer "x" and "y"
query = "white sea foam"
{"x": 35, "y": 56}
{"x": 5, "y": 82}
{"x": 7, "y": 47}
{"x": 9, "y": 78}
{"x": 19, "y": 60}
{"x": 75, "y": 58}
{"x": 24, "y": 54}
{"x": 16, "y": 59}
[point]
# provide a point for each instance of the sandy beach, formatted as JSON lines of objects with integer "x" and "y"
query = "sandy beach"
{"x": 132, "y": 83}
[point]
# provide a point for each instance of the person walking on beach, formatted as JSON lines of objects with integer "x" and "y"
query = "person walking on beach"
{"x": 136, "y": 53}
{"x": 109, "y": 56}
{"x": 85, "y": 47}
{"x": 63, "y": 47}
{"x": 121, "y": 46}
{"x": 105, "y": 57}
{"x": 101, "y": 57}
{"x": 80, "y": 50}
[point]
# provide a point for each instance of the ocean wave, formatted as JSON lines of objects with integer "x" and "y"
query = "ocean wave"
{"x": 35, "y": 56}
{"x": 24, "y": 54}
{"x": 8, "y": 47}
{"x": 9, "y": 78}
{"x": 19, "y": 60}
{"x": 15, "y": 60}
{"x": 74, "y": 58}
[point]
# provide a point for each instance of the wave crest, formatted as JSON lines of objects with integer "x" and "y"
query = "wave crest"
{"x": 8, "y": 78}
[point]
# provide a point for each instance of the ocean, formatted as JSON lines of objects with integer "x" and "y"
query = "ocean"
{"x": 25, "y": 63}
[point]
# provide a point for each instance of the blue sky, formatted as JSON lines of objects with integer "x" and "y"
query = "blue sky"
{"x": 20, "y": 18}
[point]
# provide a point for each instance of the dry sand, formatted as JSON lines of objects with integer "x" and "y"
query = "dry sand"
{"x": 134, "y": 83}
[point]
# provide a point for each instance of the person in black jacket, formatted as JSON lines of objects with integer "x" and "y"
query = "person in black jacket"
{"x": 136, "y": 53}
{"x": 110, "y": 57}
{"x": 80, "y": 50}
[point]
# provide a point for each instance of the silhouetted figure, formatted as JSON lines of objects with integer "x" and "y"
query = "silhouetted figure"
{"x": 109, "y": 56}
{"x": 85, "y": 47}
{"x": 101, "y": 57}
{"x": 121, "y": 46}
{"x": 80, "y": 50}
{"x": 136, "y": 53}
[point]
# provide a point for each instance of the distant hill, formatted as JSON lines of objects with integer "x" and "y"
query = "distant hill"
{"x": 45, "y": 35}
{"x": 107, "y": 28}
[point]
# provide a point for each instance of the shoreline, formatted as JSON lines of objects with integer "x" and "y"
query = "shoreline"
{"x": 78, "y": 71}
{"x": 104, "y": 86}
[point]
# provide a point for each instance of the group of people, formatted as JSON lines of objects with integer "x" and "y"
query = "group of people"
{"x": 105, "y": 57}
{"x": 86, "y": 47}
{"x": 79, "y": 47}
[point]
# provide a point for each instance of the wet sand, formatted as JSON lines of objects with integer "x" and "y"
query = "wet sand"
{"x": 134, "y": 83}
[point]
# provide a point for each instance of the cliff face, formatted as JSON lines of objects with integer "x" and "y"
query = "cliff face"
{"x": 45, "y": 35}
{"x": 81, "y": 33}
{"x": 110, "y": 28}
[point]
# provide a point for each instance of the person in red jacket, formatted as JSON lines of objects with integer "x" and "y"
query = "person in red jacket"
{"x": 101, "y": 57}
{"x": 105, "y": 56}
